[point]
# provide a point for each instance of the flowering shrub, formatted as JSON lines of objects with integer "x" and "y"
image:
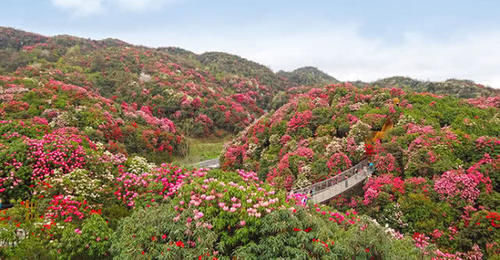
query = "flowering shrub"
{"x": 453, "y": 184}
{"x": 149, "y": 187}
{"x": 64, "y": 207}
{"x": 385, "y": 163}
{"x": 375, "y": 185}
{"x": 53, "y": 151}
{"x": 79, "y": 183}
{"x": 299, "y": 120}
{"x": 209, "y": 204}
{"x": 339, "y": 162}
{"x": 93, "y": 240}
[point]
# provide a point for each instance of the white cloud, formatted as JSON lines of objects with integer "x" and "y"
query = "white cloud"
{"x": 91, "y": 7}
{"x": 346, "y": 54}
{"x": 343, "y": 51}
{"x": 141, "y": 5}
{"x": 80, "y": 7}
{"x": 350, "y": 56}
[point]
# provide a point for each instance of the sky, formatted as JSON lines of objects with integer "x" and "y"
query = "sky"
{"x": 348, "y": 39}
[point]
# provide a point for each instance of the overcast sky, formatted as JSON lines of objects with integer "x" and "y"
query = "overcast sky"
{"x": 349, "y": 39}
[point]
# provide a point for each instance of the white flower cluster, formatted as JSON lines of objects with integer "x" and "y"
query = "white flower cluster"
{"x": 143, "y": 77}
{"x": 393, "y": 215}
{"x": 80, "y": 184}
{"x": 360, "y": 131}
{"x": 306, "y": 170}
{"x": 394, "y": 233}
{"x": 355, "y": 106}
{"x": 62, "y": 120}
{"x": 301, "y": 181}
{"x": 335, "y": 146}
{"x": 405, "y": 119}
{"x": 274, "y": 139}
{"x": 252, "y": 148}
{"x": 138, "y": 165}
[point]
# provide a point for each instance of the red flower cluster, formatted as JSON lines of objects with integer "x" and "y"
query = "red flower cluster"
{"x": 325, "y": 244}
{"x": 307, "y": 230}
{"x": 494, "y": 218}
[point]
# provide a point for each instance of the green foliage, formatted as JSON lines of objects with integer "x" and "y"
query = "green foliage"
{"x": 424, "y": 215}
{"x": 307, "y": 76}
{"x": 93, "y": 242}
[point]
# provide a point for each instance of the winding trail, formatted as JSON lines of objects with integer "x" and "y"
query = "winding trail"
{"x": 212, "y": 164}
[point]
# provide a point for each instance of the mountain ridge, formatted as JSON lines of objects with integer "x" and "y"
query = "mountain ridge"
{"x": 221, "y": 62}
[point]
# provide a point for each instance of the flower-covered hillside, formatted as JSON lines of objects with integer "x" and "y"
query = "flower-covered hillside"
{"x": 436, "y": 160}
{"x": 452, "y": 87}
{"x": 57, "y": 105}
{"x": 223, "y": 214}
{"x": 73, "y": 199}
{"x": 198, "y": 96}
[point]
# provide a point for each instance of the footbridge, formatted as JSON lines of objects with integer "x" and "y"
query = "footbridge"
{"x": 338, "y": 184}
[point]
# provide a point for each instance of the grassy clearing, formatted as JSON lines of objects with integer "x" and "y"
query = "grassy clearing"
{"x": 201, "y": 149}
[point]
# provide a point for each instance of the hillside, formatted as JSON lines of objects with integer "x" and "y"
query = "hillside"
{"x": 223, "y": 63}
{"x": 452, "y": 87}
{"x": 197, "y": 94}
{"x": 69, "y": 196}
{"x": 307, "y": 76}
{"x": 88, "y": 129}
{"x": 438, "y": 156}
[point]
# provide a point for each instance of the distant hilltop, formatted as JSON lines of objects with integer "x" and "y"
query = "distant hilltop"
{"x": 222, "y": 65}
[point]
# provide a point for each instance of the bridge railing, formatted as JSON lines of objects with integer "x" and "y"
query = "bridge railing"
{"x": 325, "y": 184}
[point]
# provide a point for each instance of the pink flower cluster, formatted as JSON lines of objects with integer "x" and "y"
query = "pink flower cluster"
{"x": 338, "y": 162}
{"x": 421, "y": 240}
{"x": 385, "y": 163}
{"x": 299, "y": 198}
{"x": 455, "y": 183}
{"x": 234, "y": 155}
{"x": 304, "y": 152}
{"x": 162, "y": 182}
{"x": 55, "y": 151}
{"x": 486, "y": 141}
{"x": 350, "y": 217}
{"x": 248, "y": 175}
{"x": 475, "y": 254}
{"x": 164, "y": 124}
{"x": 397, "y": 92}
{"x": 210, "y": 197}
{"x": 485, "y": 102}
{"x": 414, "y": 128}
{"x": 300, "y": 119}
{"x": 375, "y": 184}
{"x": 65, "y": 207}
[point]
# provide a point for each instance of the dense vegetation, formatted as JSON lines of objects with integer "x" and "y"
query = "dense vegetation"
{"x": 452, "y": 87}
{"x": 307, "y": 76}
{"x": 87, "y": 129}
{"x": 75, "y": 199}
{"x": 437, "y": 162}
{"x": 135, "y": 100}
